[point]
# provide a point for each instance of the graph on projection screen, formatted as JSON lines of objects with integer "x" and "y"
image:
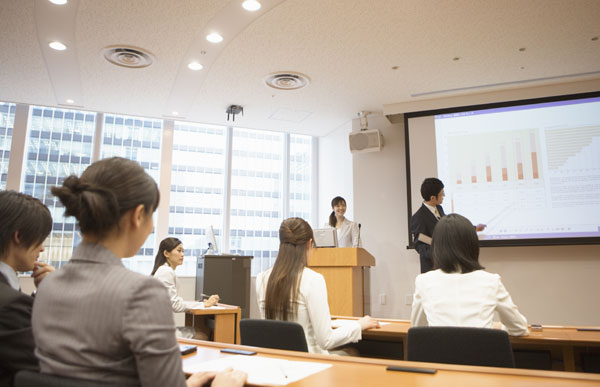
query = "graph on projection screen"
{"x": 529, "y": 171}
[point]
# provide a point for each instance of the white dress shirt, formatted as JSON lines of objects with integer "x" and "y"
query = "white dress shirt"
{"x": 313, "y": 313}
{"x": 433, "y": 210}
{"x": 464, "y": 300}
{"x": 166, "y": 275}
{"x": 347, "y": 234}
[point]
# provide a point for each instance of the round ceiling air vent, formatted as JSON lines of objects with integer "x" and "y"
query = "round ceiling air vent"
{"x": 287, "y": 80}
{"x": 127, "y": 57}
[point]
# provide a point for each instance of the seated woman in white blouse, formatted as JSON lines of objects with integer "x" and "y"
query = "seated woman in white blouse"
{"x": 169, "y": 256}
{"x": 347, "y": 230}
{"x": 290, "y": 291}
{"x": 460, "y": 292}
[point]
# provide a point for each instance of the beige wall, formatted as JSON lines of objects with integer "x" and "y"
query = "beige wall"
{"x": 551, "y": 285}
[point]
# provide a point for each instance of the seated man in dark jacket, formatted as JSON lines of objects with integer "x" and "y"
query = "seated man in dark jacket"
{"x": 25, "y": 224}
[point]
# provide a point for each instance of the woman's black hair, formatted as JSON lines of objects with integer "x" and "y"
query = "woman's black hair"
{"x": 106, "y": 190}
{"x": 334, "y": 202}
{"x": 25, "y": 215}
{"x": 455, "y": 246}
{"x": 167, "y": 244}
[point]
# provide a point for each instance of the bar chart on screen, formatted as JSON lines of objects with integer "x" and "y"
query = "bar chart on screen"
{"x": 494, "y": 157}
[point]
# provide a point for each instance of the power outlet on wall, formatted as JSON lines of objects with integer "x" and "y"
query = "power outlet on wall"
{"x": 382, "y": 299}
{"x": 408, "y": 299}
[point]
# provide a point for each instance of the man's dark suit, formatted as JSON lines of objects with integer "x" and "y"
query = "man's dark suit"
{"x": 16, "y": 338}
{"x": 423, "y": 222}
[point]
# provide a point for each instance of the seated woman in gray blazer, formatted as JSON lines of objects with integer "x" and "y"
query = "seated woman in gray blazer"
{"x": 460, "y": 292}
{"x": 96, "y": 320}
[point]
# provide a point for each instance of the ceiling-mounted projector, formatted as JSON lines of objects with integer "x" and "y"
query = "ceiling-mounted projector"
{"x": 365, "y": 140}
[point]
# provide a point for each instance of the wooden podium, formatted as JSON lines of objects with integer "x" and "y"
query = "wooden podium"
{"x": 343, "y": 269}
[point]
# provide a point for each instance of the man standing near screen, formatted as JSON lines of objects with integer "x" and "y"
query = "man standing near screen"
{"x": 424, "y": 220}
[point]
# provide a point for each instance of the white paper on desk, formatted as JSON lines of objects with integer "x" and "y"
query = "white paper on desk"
{"x": 200, "y": 305}
{"x": 341, "y": 322}
{"x": 260, "y": 370}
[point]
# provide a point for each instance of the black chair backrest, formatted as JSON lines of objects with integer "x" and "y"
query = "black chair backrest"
{"x": 460, "y": 345}
{"x": 273, "y": 334}
{"x": 27, "y": 378}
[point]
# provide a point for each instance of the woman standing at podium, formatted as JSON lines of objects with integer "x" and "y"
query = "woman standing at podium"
{"x": 290, "y": 291}
{"x": 348, "y": 232}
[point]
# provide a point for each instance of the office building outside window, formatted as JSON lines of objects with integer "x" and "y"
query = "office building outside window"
{"x": 197, "y": 189}
{"x": 59, "y": 144}
{"x": 137, "y": 139}
{"x": 256, "y": 195}
{"x": 300, "y": 177}
{"x": 7, "y": 121}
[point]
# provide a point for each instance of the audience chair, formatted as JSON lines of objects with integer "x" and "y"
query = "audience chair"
{"x": 273, "y": 334}
{"x": 27, "y": 378}
{"x": 460, "y": 345}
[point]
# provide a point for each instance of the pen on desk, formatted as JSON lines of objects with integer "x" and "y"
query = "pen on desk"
{"x": 282, "y": 369}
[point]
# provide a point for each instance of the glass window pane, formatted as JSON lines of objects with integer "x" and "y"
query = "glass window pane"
{"x": 128, "y": 137}
{"x": 197, "y": 185}
{"x": 7, "y": 121}
{"x": 56, "y": 148}
{"x": 256, "y": 202}
{"x": 300, "y": 177}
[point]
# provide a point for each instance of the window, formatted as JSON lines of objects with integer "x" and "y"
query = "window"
{"x": 136, "y": 139}
{"x": 300, "y": 176}
{"x": 268, "y": 177}
{"x": 7, "y": 121}
{"x": 197, "y": 188}
{"x": 59, "y": 144}
{"x": 256, "y": 195}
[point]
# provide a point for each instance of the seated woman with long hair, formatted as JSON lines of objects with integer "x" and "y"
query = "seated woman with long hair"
{"x": 459, "y": 292}
{"x": 169, "y": 256}
{"x": 94, "y": 319}
{"x": 290, "y": 291}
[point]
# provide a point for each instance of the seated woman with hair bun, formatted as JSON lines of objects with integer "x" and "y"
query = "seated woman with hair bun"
{"x": 290, "y": 291}
{"x": 458, "y": 292}
{"x": 96, "y": 320}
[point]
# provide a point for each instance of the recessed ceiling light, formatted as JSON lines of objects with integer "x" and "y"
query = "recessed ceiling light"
{"x": 214, "y": 38}
{"x": 175, "y": 113}
{"x": 455, "y": 58}
{"x": 195, "y": 66}
{"x": 251, "y": 5}
{"x": 70, "y": 101}
{"x": 58, "y": 2}
{"x": 522, "y": 49}
{"x": 58, "y": 46}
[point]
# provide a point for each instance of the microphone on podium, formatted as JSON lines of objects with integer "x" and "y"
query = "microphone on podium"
{"x": 359, "y": 225}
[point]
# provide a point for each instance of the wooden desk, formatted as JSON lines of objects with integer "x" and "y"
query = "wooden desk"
{"x": 352, "y": 371}
{"x": 564, "y": 343}
{"x": 227, "y": 322}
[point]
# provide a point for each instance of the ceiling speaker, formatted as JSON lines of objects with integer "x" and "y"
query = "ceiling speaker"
{"x": 365, "y": 141}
